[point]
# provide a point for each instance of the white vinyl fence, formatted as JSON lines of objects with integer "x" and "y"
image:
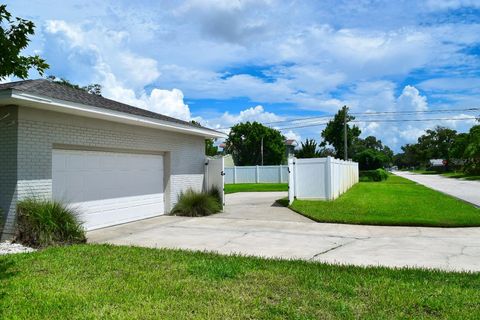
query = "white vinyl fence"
{"x": 256, "y": 174}
{"x": 215, "y": 175}
{"x": 320, "y": 178}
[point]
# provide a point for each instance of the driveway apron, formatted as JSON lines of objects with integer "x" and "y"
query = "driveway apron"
{"x": 253, "y": 224}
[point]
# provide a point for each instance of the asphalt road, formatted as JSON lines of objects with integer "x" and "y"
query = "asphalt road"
{"x": 462, "y": 189}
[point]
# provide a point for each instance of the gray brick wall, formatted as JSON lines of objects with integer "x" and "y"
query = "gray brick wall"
{"x": 39, "y": 131}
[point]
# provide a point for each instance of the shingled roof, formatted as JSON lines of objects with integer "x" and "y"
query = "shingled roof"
{"x": 59, "y": 91}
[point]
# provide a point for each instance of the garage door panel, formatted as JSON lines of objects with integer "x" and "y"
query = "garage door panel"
{"x": 109, "y": 188}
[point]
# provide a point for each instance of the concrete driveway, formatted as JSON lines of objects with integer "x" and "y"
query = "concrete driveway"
{"x": 253, "y": 225}
{"x": 465, "y": 190}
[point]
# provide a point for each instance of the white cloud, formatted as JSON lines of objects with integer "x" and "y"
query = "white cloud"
{"x": 167, "y": 102}
{"x": 256, "y": 113}
{"x": 122, "y": 74}
{"x": 410, "y": 99}
{"x": 451, "y": 84}
{"x": 293, "y": 136}
{"x": 303, "y": 55}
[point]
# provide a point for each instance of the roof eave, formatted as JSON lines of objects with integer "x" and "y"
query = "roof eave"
{"x": 43, "y": 102}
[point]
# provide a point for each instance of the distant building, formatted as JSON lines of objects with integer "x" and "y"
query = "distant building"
{"x": 290, "y": 145}
{"x": 437, "y": 162}
{"x": 228, "y": 161}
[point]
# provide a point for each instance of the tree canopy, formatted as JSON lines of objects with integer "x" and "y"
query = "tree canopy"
{"x": 14, "y": 37}
{"x": 210, "y": 149}
{"x": 333, "y": 134}
{"x": 371, "y": 153}
{"x": 459, "y": 149}
{"x": 436, "y": 143}
{"x": 244, "y": 144}
{"x": 93, "y": 88}
{"x": 471, "y": 154}
{"x": 308, "y": 149}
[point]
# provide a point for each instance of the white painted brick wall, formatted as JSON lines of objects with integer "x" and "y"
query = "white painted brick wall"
{"x": 38, "y": 131}
{"x": 8, "y": 163}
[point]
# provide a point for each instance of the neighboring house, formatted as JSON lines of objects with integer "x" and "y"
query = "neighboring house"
{"x": 114, "y": 162}
{"x": 228, "y": 161}
{"x": 290, "y": 145}
{"x": 436, "y": 162}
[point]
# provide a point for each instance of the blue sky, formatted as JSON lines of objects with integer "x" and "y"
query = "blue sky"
{"x": 221, "y": 62}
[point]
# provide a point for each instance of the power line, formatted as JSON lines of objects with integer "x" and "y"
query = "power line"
{"x": 405, "y": 112}
{"x": 414, "y": 120}
{"x": 372, "y": 120}
{"x": 304, "y": 126}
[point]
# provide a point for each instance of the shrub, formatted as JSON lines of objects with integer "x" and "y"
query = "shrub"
{"x": 373, "y": 175}
{"x": 43, "y": 222}
{"x": 215, "y": 193}
{"x": 196, "y": 204}
{"x": 370, "y": 159}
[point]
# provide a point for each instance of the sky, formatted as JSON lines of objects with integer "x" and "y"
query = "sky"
{"x": 223, "y": 62}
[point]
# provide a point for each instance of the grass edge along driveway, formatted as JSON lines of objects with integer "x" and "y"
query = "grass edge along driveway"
{"x": 394, "y": 202}
{"x": 102, "y": 281}
{"x": 449, "y": 174}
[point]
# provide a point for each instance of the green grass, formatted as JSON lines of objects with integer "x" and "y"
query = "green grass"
{"x": 107, "y": 282}
{"x": 461, "y": 175}
{"x": 255, "y": 187}
{"x": 396, "y": 201}
{"x": 421, "y": 171}
{"x": 456, "y": 175}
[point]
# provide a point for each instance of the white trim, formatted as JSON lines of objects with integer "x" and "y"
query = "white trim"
{"x": 42, "y": 102}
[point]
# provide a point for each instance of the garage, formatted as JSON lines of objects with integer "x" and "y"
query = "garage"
{"x": 109, "y": 188}
{"x": 113, "y": 162}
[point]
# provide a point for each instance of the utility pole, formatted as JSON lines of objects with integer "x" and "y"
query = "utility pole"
{"x": 261, "y": 150}
{"x": 345, "y": 151}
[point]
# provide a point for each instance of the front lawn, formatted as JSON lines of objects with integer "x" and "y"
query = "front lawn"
{"x": 461, "y": 175}
{"x": 108, "y": 282}
{"x": 396, "y": 201}
{"x": 450, "y": 174}
{"x": 255, "y": 187}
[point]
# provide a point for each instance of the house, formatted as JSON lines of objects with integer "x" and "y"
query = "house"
{"x": 114, "y": 162}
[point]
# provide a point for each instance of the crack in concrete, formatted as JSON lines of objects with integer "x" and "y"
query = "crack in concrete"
{"x": 271, "y": 230}
{"x": 331, "y": 249}
{"x": 232, "y": 239}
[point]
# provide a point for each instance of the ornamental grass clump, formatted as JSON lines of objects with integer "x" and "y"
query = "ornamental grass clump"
{"x": 42, "y": 222}
{"x": 196, "y": 204}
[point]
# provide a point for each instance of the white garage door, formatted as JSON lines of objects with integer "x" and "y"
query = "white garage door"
{"x": 109, "y": 188}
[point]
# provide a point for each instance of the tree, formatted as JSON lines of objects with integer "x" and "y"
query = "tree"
{"x": 457, "y": 151}
{"x": 308, "y": 149}
{"x": 372, "y": 143}
{"x": 326, "y": 152}
{"x": 333, "y": 134}
{"x": 435, "y": 144}
{"x": 244, "y": 143}
{"x": 472, "y": 151}
{"x": 93, "y": 88}
{"x": 370, "y": 159}
{"x": 210, "y": 149}
{"x": 14, "y": 37}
